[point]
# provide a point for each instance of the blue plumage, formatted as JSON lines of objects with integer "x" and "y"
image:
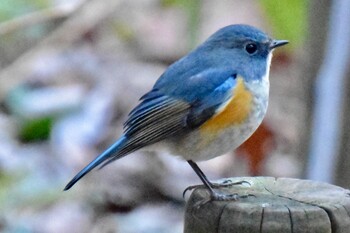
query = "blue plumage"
{"x": 190, "y": 92}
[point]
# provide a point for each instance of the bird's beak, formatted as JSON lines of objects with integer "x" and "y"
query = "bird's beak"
{"x": 277, "y": 43}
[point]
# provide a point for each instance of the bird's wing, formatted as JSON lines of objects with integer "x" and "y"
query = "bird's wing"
{"x": 154, "y": 119}
{"x": 162, "y": 113}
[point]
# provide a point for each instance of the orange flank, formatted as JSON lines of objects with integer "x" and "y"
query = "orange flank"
{"x": 234, "y": 112}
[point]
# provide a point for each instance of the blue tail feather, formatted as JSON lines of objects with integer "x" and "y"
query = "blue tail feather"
{"x": 111, "y": 152}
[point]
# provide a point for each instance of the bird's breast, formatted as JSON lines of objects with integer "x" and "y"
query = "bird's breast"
{"x": 232, "y": 124}
{"x": 234, "y": 112}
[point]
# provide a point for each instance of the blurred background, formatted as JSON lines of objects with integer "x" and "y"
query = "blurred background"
{"x": 71, "y": 70}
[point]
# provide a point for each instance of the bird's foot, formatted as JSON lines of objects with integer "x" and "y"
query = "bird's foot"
{"x": 222, "y": 197}
{"x": 224, "y": 184}
{"x": 229, "y": 183}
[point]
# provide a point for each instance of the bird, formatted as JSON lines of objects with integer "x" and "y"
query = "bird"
{"x": 204, "y": 105}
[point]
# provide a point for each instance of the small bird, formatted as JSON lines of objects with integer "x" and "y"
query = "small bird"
{"x": 204, "y": 105}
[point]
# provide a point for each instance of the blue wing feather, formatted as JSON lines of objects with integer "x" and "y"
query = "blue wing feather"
{"x": 196, "y": 87}
{"x": 206, "y": 107}
{"x": 168, "y": 110}
{"x": 204, "y": 93}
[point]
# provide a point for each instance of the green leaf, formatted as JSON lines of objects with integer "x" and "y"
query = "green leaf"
{"x": 36, "y": 129}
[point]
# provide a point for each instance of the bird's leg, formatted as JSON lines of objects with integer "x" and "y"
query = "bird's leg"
{"x": 214, "y": 195}
{"x": 201, "y": 176}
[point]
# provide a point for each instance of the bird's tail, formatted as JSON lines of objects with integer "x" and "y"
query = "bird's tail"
{"x": 110, "y": 153}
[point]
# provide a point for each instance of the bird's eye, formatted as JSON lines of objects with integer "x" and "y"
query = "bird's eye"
{"x": 251, "y": 48}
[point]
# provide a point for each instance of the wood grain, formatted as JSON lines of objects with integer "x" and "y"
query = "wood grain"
{"x": 274, "y": 205}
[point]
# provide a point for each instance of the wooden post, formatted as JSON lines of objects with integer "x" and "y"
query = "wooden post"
{"x": 274, "y": 205}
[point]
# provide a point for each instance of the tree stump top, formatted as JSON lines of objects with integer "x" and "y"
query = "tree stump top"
{"x": 274, "y": 205}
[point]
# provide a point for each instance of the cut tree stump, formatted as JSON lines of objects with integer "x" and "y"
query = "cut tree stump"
{"x": 273, "y": 205}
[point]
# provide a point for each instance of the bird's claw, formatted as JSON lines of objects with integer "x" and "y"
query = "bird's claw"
{"x": 189, "y": 188}
{"x": 224, "y": 184}
{"x": 222, "y": 197}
